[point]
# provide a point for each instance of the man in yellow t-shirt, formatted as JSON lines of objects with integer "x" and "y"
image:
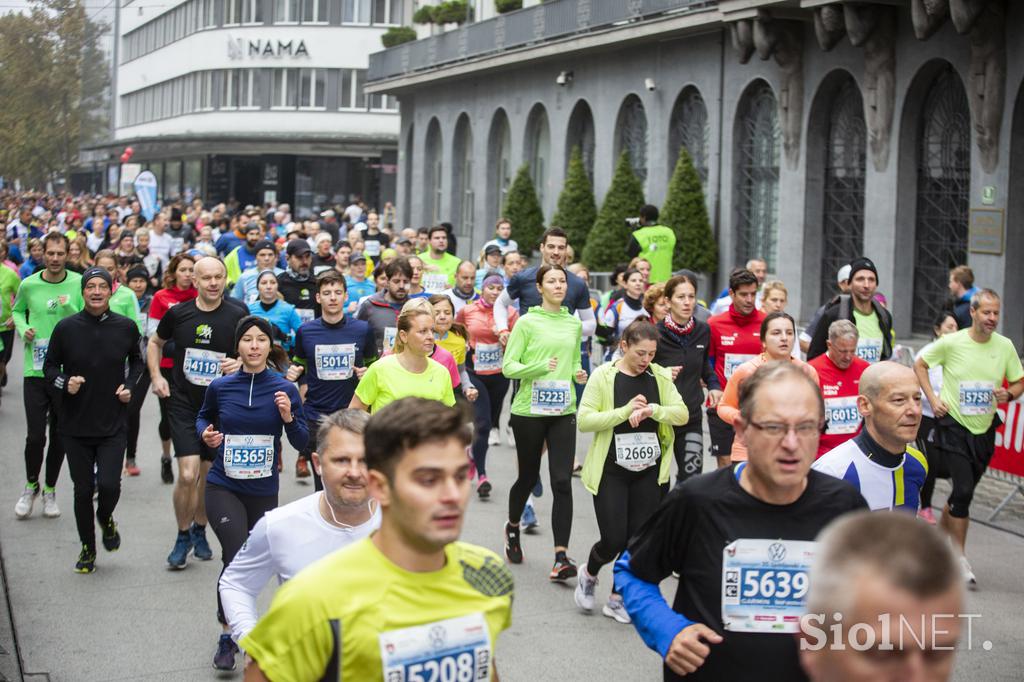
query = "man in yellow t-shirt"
{"x": 410, "y": 601}
{"x": 437, "y": 262}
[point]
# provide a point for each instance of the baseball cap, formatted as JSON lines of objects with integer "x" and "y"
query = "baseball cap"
{"x": 298, "y": 247}
{"x": 843, "y": 274}
{"x": 327, "y": 214}
{"x": 356, "y": 257}
{"x": 492, "y": 248}
{"x": 265, "y": 244}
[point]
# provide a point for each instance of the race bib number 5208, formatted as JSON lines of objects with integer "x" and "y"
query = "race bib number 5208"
{"x": 452, "y": 650}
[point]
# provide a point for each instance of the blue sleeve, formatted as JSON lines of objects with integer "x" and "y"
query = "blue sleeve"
{"x": 654, "y": 620}
{"x": 513, "y": 287}
{"x": 208, "y": 412}
{"x": 238, "y": 291}
{"x": 297, "y": 430}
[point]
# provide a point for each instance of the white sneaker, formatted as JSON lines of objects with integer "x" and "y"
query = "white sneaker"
{"x": 23, "y": 509}
{"x": 969, "y": 578}
{"x": 50, "y": 508}
{"x": 584, "y": 594}
{"x": 493, "y": 438}
{"x": 615, "y": 609}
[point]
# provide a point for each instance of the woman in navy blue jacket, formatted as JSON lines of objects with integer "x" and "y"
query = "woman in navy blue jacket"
{"x": 242, "y": 417}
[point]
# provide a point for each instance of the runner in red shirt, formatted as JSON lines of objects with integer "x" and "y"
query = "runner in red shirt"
{"x": 839, "y": 372}
{"x": 735, "y": 338}
{"x": 178, "y": 288}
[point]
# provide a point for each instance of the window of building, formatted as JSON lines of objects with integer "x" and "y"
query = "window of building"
{"x": 757, "y": 172}
{"x": 383, "y": 103}
{"x": 356, "y": 11}
{"x": 689, "y": 128}
{"x": 538, "y": 146}
{"x": 580, "y": 134}
{"x": 631, "y": 135}
{"x": 192, "y": 182}
{"x": 206, "y": 90}
{"x": 351, "y": 87}
{"x": 286, "y": 11}
{"x": 210, "y": 13}
{"x": 252, "y": 11}
{"x": 314, "y": 11}
{"x": 285, "y": 93}
{"x": 387, "y": 12}
{"x": 312, "y": 85}
{"x": 241, "y": 89}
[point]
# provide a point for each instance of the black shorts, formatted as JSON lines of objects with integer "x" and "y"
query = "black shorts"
{"x": 182, "y": 416}
{"x": 967, "y": 455}
{"x": 721, "y": 435}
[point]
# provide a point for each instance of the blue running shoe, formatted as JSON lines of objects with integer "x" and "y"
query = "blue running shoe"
{"x": 528, "y": 522}
{"x": 224, "y": 659}
{"x": 538, "y": 490}
{"x": 200, "y": 547}
{"x": 178, "y": 558}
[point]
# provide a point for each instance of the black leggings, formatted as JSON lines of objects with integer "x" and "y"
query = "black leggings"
{"x": 139, "y": 392}
{"x": 307, "y": 452}
{"x": 8, "y": 339}
{"x": 688, "y": 447}
{"x": 232, "y": 516}
{"x": 165, "y": 425}
{"x": 487, "y": 408}
{"x": 42, "y": 404}
{"x": 102, "y": 456}
{"x": 559, "y": 432}
{"x": 622, "y": 505}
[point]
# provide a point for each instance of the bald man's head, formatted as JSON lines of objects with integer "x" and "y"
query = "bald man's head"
{"x": 879, "y": 375}
{"x": 210, "y": 276}
{"x": 890, "y": 403}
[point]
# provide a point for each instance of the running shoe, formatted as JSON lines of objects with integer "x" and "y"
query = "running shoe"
{"x": 131, "y": 469}
{"x": 111, "y": 538}
{"x": 584, "y": 594}
{"x": 563, "y": 569}
{"x": 538, "y": 490}
{"x": 301, "y": 468}
{"x": 969, "y": 578}
{"x": 577, "y": 469}
{"x": 510, "y": 437}
{"x": 493, "y": 438}
{"x": 178, "y": 558}
{"x": 615, "y": 609}
{"x": 50, "y": 508}
{"x": 224, "y": 659}
{"x": 528, "y": 522}
{"x": 927, "y": 515}
{"x": 513, "y": 550}
{"x": 201, "y": 548}
{"x": 23, "y": 509}
{"x": 483, "y": 488}
{"x": 166, "y": 473}
{"x": 86, "y": 560}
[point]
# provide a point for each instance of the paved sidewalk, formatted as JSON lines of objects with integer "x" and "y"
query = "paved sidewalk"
{"x": 136, "y": 620}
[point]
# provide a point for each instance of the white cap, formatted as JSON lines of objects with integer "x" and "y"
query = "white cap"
{"x": 843, "y": 274}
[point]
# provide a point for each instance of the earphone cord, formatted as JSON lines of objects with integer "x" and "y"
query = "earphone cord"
{"x": 330, "y": 508}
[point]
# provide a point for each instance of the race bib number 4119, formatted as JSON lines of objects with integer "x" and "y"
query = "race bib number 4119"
{"x": 764, "y": 584}
{"x": 453, "y": 650}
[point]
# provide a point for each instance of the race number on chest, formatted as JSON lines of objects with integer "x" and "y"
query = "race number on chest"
{"x": 764, "y": 584}
{"x": 452, "y": 650}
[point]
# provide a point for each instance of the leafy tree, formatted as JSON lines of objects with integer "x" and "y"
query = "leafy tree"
{"x": 523, "y": 209}
{"x": 685, "y": 211}
{"x": 606, "y": 244}
{"x": 577, "y": 209}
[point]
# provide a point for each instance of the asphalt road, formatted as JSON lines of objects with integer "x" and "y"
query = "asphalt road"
{"x": 136, "y": 620}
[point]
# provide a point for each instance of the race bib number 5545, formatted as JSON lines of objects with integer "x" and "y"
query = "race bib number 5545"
{"x": 452, "y": 650}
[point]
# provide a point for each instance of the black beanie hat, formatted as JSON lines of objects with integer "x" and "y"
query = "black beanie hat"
{"x": 94, "y": 271}
{"x": 252, "y": 321}
{"x": 862, "y": 264}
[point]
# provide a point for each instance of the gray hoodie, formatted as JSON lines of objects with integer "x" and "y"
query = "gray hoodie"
{"x": 382, "y": 316}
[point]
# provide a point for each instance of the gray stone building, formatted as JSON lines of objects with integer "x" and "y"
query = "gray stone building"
{"x": 823, "y": 129}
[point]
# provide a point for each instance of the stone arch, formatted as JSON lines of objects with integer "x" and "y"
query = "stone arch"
{"x": 631, "y": 135}
{"x": 462, "y": 202}
{"x": 580, "y": 133}
{"x": 688, "y": 127}
{"x": 758, "y": 140}
{"x": 537, "y": 146}
{"x": 499, "y": 163}
{"x": 433, "y": 172}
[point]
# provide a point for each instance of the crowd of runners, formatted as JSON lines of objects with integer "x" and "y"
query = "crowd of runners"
{"x": 386, "y": 363}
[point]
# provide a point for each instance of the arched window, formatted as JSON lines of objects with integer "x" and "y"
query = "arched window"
{"x": 843, "y": 219}
{"x": 757, "y": 172}
{"x": 433, "y": 172}
{"x": 580, "y": 133}
{"x": 943, "y": 184}
{"x": 499, "y": 172}
{"x": 631, "y": 135}
{"x": 689, "y": 128}
{"x": 462, "y": 176}
{"x": 408, "y": 167}
{"x": 538, "y": 144}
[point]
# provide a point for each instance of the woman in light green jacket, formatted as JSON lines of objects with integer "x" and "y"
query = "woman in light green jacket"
{"x": 631, "y": 405}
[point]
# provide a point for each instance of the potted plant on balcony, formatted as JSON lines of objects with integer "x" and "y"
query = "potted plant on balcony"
{"x": 396, "y": 35}
{"x": 503, "y": 6}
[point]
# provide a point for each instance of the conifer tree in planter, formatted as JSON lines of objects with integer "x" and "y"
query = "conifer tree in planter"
{"x": 685, "y": 211}
{"x": 523, "y": 209}
{"x": 606, "y": 243}
{"x": 577, "y": 209}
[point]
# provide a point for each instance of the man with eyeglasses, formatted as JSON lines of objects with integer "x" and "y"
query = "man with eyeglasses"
{"x": 741, "y": 540}
{"x": 878, "y": 462}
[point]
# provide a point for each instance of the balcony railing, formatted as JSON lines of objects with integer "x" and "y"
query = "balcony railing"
{"x": 529, "y": 26}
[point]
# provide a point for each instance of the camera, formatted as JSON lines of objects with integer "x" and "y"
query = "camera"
{"x": 649, "y": 84}
{"x": 632, "y": 223}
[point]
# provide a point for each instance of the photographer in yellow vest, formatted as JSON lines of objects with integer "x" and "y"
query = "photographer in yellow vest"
{"x": 655, "y": 243}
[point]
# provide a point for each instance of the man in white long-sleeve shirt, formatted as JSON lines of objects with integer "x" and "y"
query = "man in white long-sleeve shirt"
{"x": 291, "y": 537}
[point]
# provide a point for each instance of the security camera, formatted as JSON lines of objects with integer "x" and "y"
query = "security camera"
{"x": 563, "y": 78}
{"x": 649, "y": 84}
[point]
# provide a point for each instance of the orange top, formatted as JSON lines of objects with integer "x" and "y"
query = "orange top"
{"x": 729, "y": 406}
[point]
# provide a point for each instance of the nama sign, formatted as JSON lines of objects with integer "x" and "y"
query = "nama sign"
{"x": 239, "y": 48}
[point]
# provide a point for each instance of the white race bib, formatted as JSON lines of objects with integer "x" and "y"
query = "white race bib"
{"x": 248, "y": 457}
{"x": 452, "y": 650}
{"x": 390, "y": 333}
{"x": 252, "y": 296}
{"x": 764, "y": 584}
{"x": 487, "y": 357}
{"x": 201, "y": 367}
{"x": 637, "y": 451}
{"x": 305, "y": 314}
{"x": 549, "y": 397}
{"x": 734, "y": 360}
{"x": 371, "y": 248}
{"x": 334, "y": 362}
{"x": 842, "y": 415}
{"x": 39, "y": 348}
{"x": 976, "y": 398}
{"x": 869, "y": 350}
{"x": 177, "y": 244}
{"x": 434, "y": 282}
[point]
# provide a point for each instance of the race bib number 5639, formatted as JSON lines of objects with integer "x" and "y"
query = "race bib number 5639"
{"x": 764, "y": 584}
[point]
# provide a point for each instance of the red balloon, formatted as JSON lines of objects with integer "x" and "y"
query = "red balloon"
{"x": 125, "y": 157}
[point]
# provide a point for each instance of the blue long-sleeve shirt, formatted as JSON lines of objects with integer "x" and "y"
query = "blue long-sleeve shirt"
{"x": 242, "y": 404}
{"x": 283, "y": 316}
{"x": 654, "y": 620}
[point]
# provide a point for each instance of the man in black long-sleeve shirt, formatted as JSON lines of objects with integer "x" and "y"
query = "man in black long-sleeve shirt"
{"x": 86, "y": 361}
